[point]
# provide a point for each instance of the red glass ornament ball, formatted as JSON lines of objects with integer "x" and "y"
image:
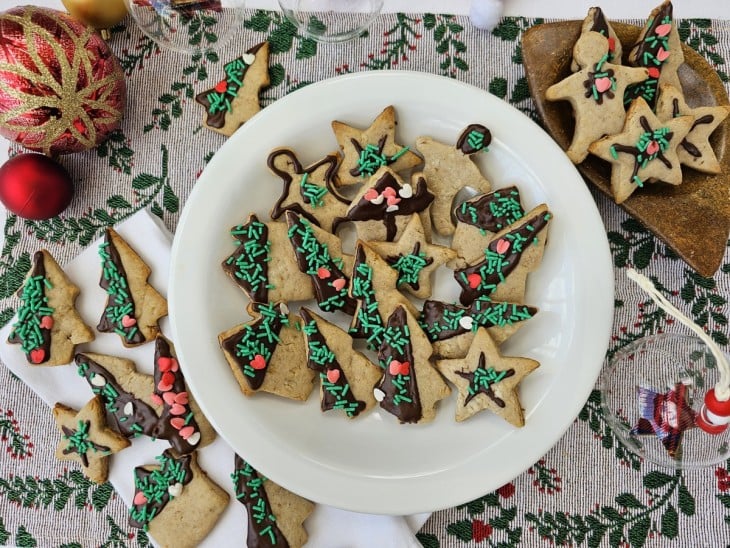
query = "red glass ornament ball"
{"x": 34, "y": 186}
{"x": 718, "y": 407}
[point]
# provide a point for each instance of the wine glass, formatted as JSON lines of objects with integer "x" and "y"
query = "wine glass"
{"x": 331, "y": 20}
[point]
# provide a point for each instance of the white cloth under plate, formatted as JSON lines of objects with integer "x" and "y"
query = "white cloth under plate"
{"x": 328, "y": 527}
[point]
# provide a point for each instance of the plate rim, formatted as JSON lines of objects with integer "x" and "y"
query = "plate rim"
{"x": 375, "y": 495}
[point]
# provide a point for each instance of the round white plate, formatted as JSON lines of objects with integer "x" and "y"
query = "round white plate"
{"x": 372, "y": 463}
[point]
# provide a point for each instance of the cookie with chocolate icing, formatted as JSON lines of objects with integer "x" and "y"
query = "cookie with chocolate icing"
{"x": 487, "y": 380}
{"x": 646, "y": 151}
{"x": 268, "y": 354}
{"x": 86, "y": 438}
{"x": 175, "y": 501}
{"x": 695, "y": 150}
{"x": 410, "y": 387}
{"x": 596, "y": 21}
{"x": 364, "y": 151}
{"x": 346, "y": 376}
{"x": 235, "y": 98}
{"x": 47, "y": 326}
{"x": 448, "y": 168}
{"x": 275, "y": 516}
{"x": 133, "y": 307}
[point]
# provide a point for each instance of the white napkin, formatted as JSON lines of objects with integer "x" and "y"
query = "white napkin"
{"x": 328, "y": 527}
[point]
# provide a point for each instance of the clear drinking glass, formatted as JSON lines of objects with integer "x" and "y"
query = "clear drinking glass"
{"x": 331, "y": 20}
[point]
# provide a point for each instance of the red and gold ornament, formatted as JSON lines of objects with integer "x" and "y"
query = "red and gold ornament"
{"x": 34, "y": 186}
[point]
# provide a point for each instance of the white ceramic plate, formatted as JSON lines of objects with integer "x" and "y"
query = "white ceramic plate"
{"x": 373, "y": 464}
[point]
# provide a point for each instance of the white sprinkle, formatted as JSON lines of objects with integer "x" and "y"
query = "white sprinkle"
{"x": 194, "y": 438}
{"x": 467, "y": 322}
{"x": 379, "y": 394}
{"x": 129, "y": 408}
{"x": 284, "y": 309}
{"x": 406, "y": 191}
{"x": 378, "y": 200}
{"x": 391, "y": 208}
{"x": 98, "y": 380}
{"x": 248, "y": 58}
{"x": 175, "y": 489}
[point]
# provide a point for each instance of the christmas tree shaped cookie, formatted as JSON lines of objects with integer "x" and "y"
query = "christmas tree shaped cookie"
{"x": 448, "y": 168}
{"x": 275, "y": 516}
{"x": 319, "y": 255}
{"x": 346, "y": 376}
{"x": 507, "y": 260}
{"x": 595, "y": 92}
{"x": 126, "y": 393}
{"x": 365, "y": 151}
{"x": 374, "y": 288}
{"x": 410, "y": 387}
{"x": 175, "y": 501}
{"x": 86, "y": 439}
{"x": 644, "y": 152}
{"x": 451, "y": 327}
{"x": 268, "y": 353}
{"x": 695, "y": 150}
{"x": 596, "y": 21}
{"x": 487, "y": 380}
{"x": 659, "y": 50}
{"x": 414, "y": 258}
{"x": 480, "y": 218}
{"x": 309, "y": 191}
{"x": 47, "y": 325}
{"x": 181, "y": 421}
{"x": 263, "y": 265}
{"x": 133, "y": 307}
{"x": 235, "y": 98}
{"x": 382, "y": 208}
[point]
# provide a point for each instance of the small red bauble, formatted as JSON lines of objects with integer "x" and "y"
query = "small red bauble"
{"x": 34, "y": 186}
{"x": 714, "y": 415}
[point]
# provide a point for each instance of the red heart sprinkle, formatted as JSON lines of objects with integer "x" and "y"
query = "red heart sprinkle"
{"x": 370, "y": 194}
{"x": 339, "y": 283}
{"x": 169, "y": 398}
{"x": 222, "y": 86}
{"x": 654, "y": 72}
{"x": 474, "y": 280}
{"x": 37, "y": 355}
{"x": 177, "y": 423}
{"x": 47, "y": 322}
{"x": 663, "y": 30}
{"x": 174, "y": 365}
{"x": 139, "y": 499}
{"x": 186, "y": 432}
{"x": 611, "y": 44}
{"x": 333, "y": 375}
{"x": 405, "y": 368}
{"x": 392, "y": 200}
{"x": 394, "y": 367}
{"x": 177, "y": 409}
{"x": 603, "y": 84}
{"x": 652, "y": 148}
{"x": 502, "y": 246}
{"x": 164, "y": 363}
{"x": 128, "y": 321}
{"x": 181, "y": 398}
{"x": 323, "y": 273}
{"x": 662, "y": 54}
{"x": 258, "y": 362}
{"x": 157, "y": 400}
{"x": 389, "y": 191}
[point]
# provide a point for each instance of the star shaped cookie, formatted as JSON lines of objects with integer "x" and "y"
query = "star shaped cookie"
{"x": 695, "y": 150}
{"x": 487, "y": 380}
{"x": 364, "y": 151}
{"x": 86, "y": 438}
{"x": 644, "y": 152}
{"x": 308, "y": 191}
{"x": 414, "y": 258}
{"x": 595, "y": 92}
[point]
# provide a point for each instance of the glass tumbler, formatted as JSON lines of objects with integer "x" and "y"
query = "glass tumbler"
{"x": 331, "y": 20}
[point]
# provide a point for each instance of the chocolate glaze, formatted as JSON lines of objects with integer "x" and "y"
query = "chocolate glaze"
{"x": 691, "y": 149}
{"x": 261, "y": 294}
{"x": 393, "y": 259}
{"x": 357, "y": 170}
{"x": 635, "y": 151}
{"x": 485, "y": 219}
{"x": 599, "y": 22}
{"x": 358, "y": 328}
{"x": 463, "y": 145}
{"x": 68, "y": 432}
{"x": 487, "y": 390}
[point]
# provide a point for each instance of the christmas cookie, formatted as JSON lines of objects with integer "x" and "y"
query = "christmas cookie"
{"x": 263, "y": 265}
{"x": 181, "y": 421}
{"x": 275, "y": 516}
{"x": 451, "y": 327}
{"x": 126, "y": 393}
{"x": 513, "y": 253}
{"x": 487, "y": 380}
{"x": 319, "y": 255}
{"x": 175, "y": 501}
{"x": 384, "y": 205}
{"x": 373, "y": 286}
{"x": 414, "y": 258}
{"x": 308, "y": 191}
{"x": 480, "y": 218}
{"x": 235, "y": 98}
{"x": 644, "y": 152}
{"x": 659, "y": 50}
{"x": 133, "y": 307}
{"x": 365, "y": 151}
{"x": 695, "y": 150}
{"x": 448, "y": 168}
{"x": 410, "y": 387}
{"x": 346, "y": 376}
{"x": 86, "y": 439}
{"x": 268, "y": 353}
{"x": 47, "y": 325}
{"x": 596, "y": 21}
{"x": 595, "y": 92}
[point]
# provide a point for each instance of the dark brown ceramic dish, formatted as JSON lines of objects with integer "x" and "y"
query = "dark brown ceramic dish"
{"x": 692, "y": 218}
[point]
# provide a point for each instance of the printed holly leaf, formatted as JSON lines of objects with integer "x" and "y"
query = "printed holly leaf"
{"x": 460, "y": 529}
{"x": 670, "y": 523}
{"x": 686, "y": 501}
{"x": 639, "y": 531}
{"x": 656, "y": 479}
{"x": 428, "y": 540}
{"x": 627, "y": 500}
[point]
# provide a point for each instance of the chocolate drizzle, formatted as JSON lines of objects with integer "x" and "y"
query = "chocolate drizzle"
{"x": 83, "y": 446}
{"x": 336, "y": 390}
{"x": 399, "y": 384}
{"x": 411, "y": 271}
{"x": 639, "y": 163}
{"x": 263, "y": 531}
{"x": 366, "y": 210}
{"x": 483, "y": 277}
{"x": 482, "y": 379}
{"x": 599, "y": 22}
{"x": 142, "y": 419}
{"x": 375, "y": 150}
{"x": 473, "y": 139}
{"x": 248, "y": 265}
{"x": 492, "y": 212}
